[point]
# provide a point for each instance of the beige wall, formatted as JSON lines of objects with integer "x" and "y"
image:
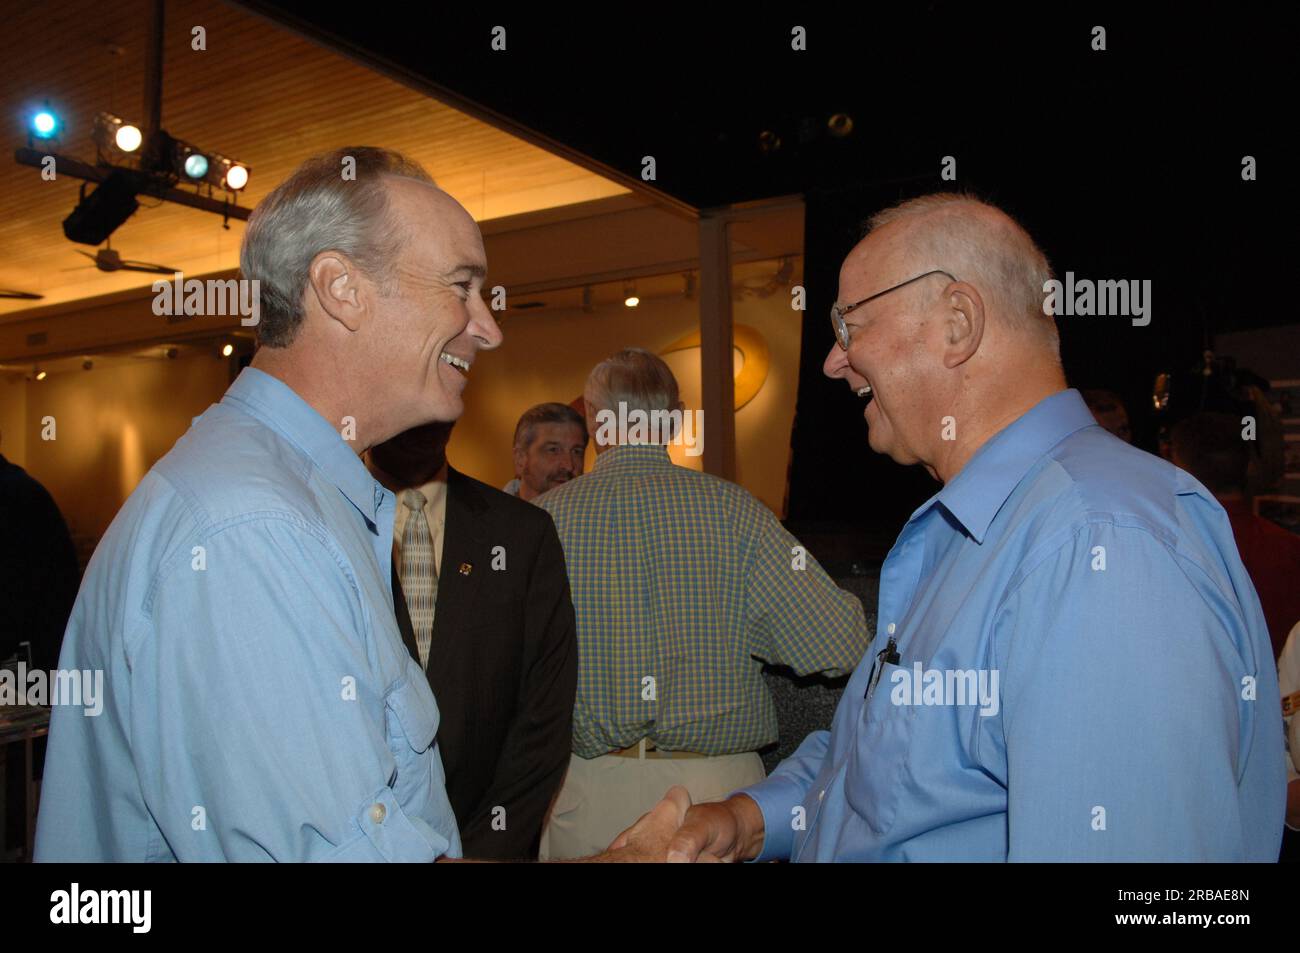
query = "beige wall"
{"x": 112, "y": 425}
{"x": 114, "y": 422}
{"x": 546, "y": 356}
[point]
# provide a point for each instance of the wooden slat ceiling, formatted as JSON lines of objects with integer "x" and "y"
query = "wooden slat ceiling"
{"x": 259, "y": 94}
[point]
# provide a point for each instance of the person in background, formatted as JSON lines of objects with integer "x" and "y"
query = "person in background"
{"x": 38, "y": 564}
{"x": 1210, "y": 446}
{"x": 683, "y": 585}
{"x": 482, "y": 599}
{"x": 1288, "y": 680}
{"x": 549, "y": 449}
{"x": 1110, "y": 412}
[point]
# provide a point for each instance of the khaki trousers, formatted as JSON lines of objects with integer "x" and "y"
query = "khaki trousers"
{"x": 604, "y": 796}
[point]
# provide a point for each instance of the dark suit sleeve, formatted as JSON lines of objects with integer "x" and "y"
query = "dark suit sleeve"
{"x": 533, "y": 760}
{"x": 39, "y": 567}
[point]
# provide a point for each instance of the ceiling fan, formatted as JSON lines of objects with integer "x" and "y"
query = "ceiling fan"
{"x": 21, "y": 295}
{"x": 109, "y": 259}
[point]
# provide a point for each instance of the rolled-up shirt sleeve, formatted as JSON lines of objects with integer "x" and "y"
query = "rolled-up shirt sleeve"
{"x": 262, "y": 726}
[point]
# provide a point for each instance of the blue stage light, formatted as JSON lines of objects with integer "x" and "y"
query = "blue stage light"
{"x": 45, "y": 125}
{"x": 196, "y": 165}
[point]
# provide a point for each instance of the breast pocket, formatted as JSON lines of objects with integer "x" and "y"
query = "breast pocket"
{"x": 412, "y": 724}
{"x": 877, "y": 764}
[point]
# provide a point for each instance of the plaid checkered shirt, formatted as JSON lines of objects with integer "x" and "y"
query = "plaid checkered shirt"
{"x": 684, "y": 585}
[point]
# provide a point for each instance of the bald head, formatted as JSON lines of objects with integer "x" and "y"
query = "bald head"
{"x": 947, "y": 338}
{"x": 981, "y": 244}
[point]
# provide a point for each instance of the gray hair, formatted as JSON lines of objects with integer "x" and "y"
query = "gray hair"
{"x": 635, "y": 377}
{"x": 991, "y": 251}
{"x": 314, "y": 210}
{"x": 548, "y": 413}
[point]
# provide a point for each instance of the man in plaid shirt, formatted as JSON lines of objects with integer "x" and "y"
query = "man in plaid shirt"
{"x": 684, "y": 585}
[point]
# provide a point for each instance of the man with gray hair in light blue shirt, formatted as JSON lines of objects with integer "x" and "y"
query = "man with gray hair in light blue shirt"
{"x": 261, "y": 705}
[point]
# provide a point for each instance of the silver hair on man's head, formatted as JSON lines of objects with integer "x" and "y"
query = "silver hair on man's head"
{"x": 635, "y": 378}
{"x": 318, "y": 209}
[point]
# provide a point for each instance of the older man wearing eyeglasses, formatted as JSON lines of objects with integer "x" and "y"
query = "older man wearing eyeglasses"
{"x": 1070, "y": 663}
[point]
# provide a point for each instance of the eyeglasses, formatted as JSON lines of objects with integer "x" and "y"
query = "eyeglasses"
{"x": 838, "y": 313}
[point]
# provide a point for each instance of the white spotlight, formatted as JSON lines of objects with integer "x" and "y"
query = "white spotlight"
{"x": 128, "y": 138}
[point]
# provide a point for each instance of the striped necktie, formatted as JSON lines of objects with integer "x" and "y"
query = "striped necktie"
{"x": 419, "y": 574}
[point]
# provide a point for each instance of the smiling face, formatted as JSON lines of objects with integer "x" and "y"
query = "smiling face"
{"x": 895, "y": 346}
{"x": 429, "y": 329}
{"x": 555, "y": 456}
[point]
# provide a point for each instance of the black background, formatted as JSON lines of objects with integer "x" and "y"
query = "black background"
{"x": 394, "y": 906}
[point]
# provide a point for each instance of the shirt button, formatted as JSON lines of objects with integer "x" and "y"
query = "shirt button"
{"x": 377, "y": 813}
{"x": 889, "y": 629}
{"x": 822, "y": 794}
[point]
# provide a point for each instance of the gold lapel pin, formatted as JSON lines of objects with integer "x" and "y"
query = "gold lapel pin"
{"x": 466, "y": 568}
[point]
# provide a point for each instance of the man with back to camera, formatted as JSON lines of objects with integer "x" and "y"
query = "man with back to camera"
{"x": 683, "y": 585}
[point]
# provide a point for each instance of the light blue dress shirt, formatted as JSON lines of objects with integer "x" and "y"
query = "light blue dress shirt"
{"x": 260, "y": 704}
{"x": 1136, "y": 712}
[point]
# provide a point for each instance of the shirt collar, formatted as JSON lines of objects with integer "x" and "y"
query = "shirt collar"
{"x": 434, "y": 492}
{"x": 976, "y": 494}
{"x": 276, "y": 404}
{"x": 632, "y": 455}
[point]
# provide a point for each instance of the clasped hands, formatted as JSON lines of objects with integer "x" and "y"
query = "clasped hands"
{"x": 677, "y": 831}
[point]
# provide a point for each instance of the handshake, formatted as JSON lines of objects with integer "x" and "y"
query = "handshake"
{"x": 676, "y": 831}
